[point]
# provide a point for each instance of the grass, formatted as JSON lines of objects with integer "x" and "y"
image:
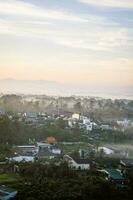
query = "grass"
{"x": 66, "y": 149}
{"x": 8, "y": 178}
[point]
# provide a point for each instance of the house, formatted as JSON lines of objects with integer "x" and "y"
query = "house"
{"x": 7, "y": 193}
{"x": 31, "y": 117}
{"x": 22, "y": 159}
{"x": 28, "y": 149}
{"x": 89, "y": 127}
{"x": 77, "y": 164}
{"x": 115, "y": 176}
{"x": 42, "y": 145}
{"x": 106, "y": 150}
{"x": 126, "y": 165}
{"x": 86, "y": 120}
{"x": 56, "y": 151}
{"x": 45, "y": 153}
{"x": 76, "y": 116}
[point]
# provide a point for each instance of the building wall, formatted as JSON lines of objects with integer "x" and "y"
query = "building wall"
{"x": 75, "y": 165}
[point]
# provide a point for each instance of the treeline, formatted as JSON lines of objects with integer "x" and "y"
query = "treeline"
{"x": 114, "y": 136}
{"x": 103, "y": 109}
{"x": 8, "y": 130}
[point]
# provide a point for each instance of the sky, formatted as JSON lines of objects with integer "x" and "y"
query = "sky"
{"x": 87, "y": 42}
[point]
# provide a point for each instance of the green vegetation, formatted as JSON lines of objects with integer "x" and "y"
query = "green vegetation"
{"x": 14, "y": 132}
{"x": 50, "y": 182}
{"x": 8, "y": 178}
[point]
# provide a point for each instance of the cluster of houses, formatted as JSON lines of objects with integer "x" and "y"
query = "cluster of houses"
{"x": 117, "y": 176}
{"x": 38, "y": 151}
{"x": 46, "y": 151}
{"x": 84, "y": 122}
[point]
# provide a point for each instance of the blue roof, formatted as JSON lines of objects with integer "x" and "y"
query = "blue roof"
{"x": 114, "y": 174}
{"x": 7, "y": 193}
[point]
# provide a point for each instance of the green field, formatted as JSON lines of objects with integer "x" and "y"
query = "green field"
{"x": 8, "y": 178}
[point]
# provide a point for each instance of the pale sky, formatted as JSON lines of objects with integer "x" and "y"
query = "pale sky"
{"x": 68, "y": 41}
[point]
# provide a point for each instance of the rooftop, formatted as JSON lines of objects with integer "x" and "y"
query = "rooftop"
{"x": 114, "y": 174}
{"x": 82, "y": 161}
{"x": 7, "y": 193}
{"x": 127, "y": 162}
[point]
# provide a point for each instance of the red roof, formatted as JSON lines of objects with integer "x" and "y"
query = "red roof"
{"x": 50, "y": 140}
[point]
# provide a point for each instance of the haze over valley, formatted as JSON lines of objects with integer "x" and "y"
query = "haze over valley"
{"x": 53, "y": 88}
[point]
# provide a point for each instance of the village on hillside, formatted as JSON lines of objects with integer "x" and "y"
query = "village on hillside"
{"x": 80, "y": 142}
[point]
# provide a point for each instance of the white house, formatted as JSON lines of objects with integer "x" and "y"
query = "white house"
{"x": 56, "y": 151}
{"x": 86, "y": 121}
{"x": 76, "y": 116}
{"x": 77, "y": 164}
{"x": 28, "y": 149}
{"x": 106, "y": 150}
{"x": 22, "y": 159}
{"x": 89, "y": 127}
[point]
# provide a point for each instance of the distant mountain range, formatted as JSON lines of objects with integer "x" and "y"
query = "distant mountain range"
{"x": 39, "y": 87}
{"x": 29, "y": 86}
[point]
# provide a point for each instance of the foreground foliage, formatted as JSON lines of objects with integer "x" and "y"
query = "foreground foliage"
{"x": 40, "y": 182}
